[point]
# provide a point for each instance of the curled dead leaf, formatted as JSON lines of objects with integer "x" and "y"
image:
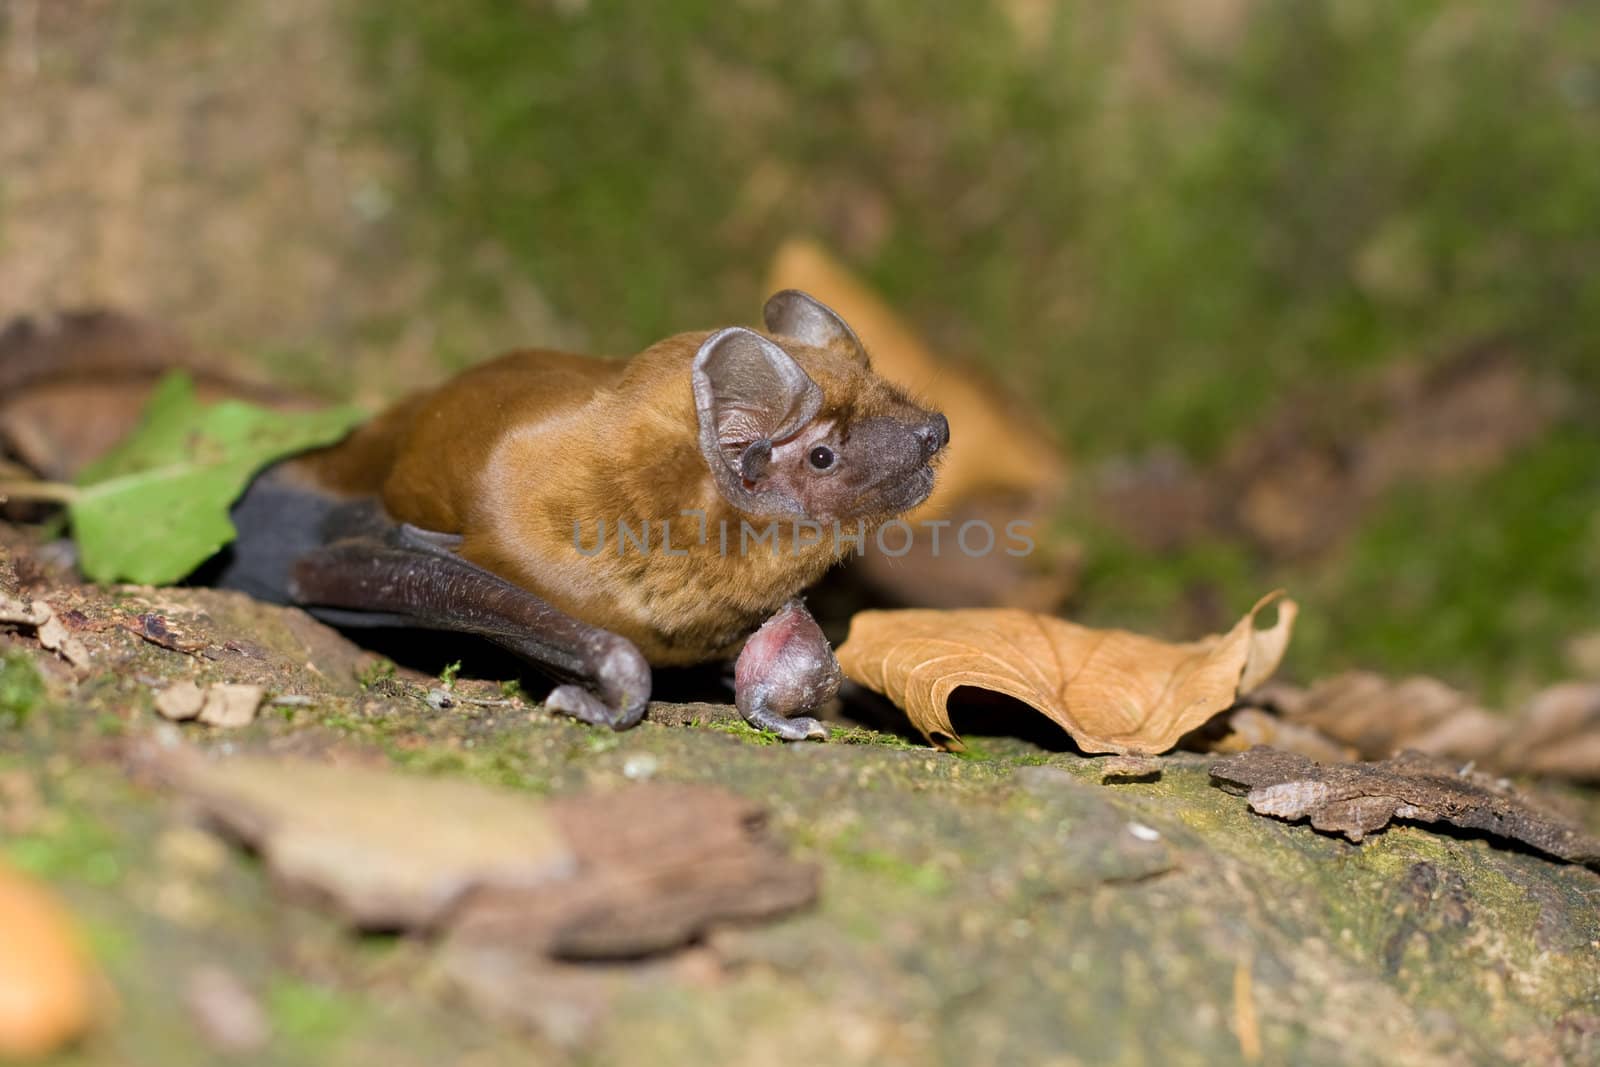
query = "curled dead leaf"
{"x": 1113, "y": 691}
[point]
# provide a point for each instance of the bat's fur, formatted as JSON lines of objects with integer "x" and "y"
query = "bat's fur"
{"x": 523, "y": 456}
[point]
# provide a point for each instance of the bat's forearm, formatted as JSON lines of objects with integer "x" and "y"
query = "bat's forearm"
{"x": 396, "y": 577}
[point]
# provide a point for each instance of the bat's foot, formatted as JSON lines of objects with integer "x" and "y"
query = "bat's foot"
{"x": 799, "y": 728}
{"x": 586, "y": 707}
{"x": 622, "y": 678}
{"x": 786, "y": 667}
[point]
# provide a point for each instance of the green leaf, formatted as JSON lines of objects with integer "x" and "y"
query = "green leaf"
{"x": 156, "y": 506}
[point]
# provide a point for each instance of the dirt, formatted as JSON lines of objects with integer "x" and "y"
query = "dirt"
{"x": 157, "y": 159}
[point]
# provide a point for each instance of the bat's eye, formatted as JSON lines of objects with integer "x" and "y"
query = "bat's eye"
{"x": 821, "y": 457}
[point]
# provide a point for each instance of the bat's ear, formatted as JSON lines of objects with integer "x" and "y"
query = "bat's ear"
{"x": 747, "y": 389}
{"x": 748, "y": 393}
{"x": 810, "y": 321}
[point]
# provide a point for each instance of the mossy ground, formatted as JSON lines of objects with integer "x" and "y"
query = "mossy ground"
{"x": 1001, "y": 906}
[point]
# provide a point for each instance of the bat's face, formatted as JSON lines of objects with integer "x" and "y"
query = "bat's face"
{"x": 872, "y": 459}
{"x": 797, "y": 425}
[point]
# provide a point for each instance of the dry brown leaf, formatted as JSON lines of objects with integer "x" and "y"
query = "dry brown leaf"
{"x": 1245, "y": 728}
{"x": 1297, "y": 484}
{"x": 620, "y": 874}
{"x": 1556, "y": 734}
{"x": 1113, "y": 691}
{"x": 1380, "y": 716}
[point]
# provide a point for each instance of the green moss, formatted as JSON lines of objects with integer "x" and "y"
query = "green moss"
{"x": 377, "y": 673}
{"x": 447, "y": 676}
{"x": 72, "y": 846}
{"x": 847, "y": 849}
{"x": 744, "y": 731}
{"x": 309, "y": 1014}
{"x": 1480, "y": 582}
{"x": 21, "y": 688}
{"x": 861, "y": 735}
{"x": 1156, "y": 271}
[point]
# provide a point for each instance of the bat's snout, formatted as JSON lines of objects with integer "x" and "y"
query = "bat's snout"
{"x": 934, "y": 435}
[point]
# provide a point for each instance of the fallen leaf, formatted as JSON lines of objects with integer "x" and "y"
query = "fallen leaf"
{"x": 607, "y": 875}
{"x": 1356, "y": 799}
{"x": 46, "y": 983}
{"x": 231, "y": 705}
{"x": 1242, "y": 729}
{"x": 1113, "y": 691}
{"x": 1379, "y": 716}
{"x": 527, "y": 893}
{"x": 386, "y": 850}
{"x": 659, "y": 866}
{"x": 156, "y": 507}
{"x": 1557, "y": 733}
{"x": 1297, "y": 484}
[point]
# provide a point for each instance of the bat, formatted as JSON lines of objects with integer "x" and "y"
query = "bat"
{"x": 600, "y": 517}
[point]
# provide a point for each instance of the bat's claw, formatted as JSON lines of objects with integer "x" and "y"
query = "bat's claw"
{"x": 623, "y": 679}
{"x": 799, "y": 728}
{"x": 586, "y": 707}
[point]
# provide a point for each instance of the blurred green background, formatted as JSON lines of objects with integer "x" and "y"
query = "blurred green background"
{"x": 1168, "y": 224}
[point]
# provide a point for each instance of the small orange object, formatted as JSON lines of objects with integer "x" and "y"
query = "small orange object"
{"x": 46, "y": 983}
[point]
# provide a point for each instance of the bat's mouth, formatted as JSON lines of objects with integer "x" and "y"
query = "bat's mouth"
{"x": 906, "y": 493}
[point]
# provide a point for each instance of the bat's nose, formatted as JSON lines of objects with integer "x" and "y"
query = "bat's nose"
{"x": 935, "y": 434}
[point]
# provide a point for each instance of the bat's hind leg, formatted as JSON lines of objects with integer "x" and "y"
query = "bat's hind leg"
{"x": 410, "y": 576}
{"x": 786, "y": 667}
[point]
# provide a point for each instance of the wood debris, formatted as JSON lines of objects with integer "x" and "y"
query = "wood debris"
{"x": 1357, "y": 799}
